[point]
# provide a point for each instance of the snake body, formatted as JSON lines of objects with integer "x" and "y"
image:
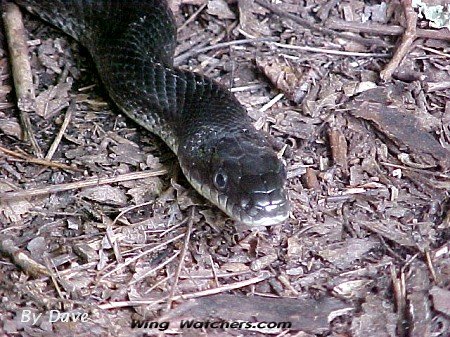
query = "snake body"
{"x": 220, "y": 152}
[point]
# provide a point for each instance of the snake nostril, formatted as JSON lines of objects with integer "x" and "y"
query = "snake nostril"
{"x": 245, "y": 202}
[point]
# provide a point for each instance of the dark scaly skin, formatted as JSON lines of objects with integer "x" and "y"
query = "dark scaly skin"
{"x": 223, "y": 156}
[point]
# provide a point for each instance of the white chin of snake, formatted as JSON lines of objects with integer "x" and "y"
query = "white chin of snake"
{"x": 268, "y": 221}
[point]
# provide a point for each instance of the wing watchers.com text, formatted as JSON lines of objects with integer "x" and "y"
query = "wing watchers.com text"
{"x": 193, "y": 324}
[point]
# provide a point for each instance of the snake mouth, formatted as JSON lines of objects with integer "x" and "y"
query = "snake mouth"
{"x": 261, "y": 214}
{"x": 267, "y": 216}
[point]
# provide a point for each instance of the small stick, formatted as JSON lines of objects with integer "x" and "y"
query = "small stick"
{"x": 434, "y": 51}
{"x": 327, "y": 51}
{"x": 240, "y": 284}
{"x": 192, "y": 17}
{"x": 192, "y": 52}
{"x": 338, "y": 145}
{"x": 272, "y": 102}
{"x": 80, "y": 184}
{"x": 319, "y": 28}
{"x": 405, "y": 45}
{"x": 161, "y": 265}
{"x": 264, "y": 275}
{"x": 249, "y": 87}
{"x": 38, "y": 161}
{"x": 182, "y": 257}
{"x": 420, "y": 171}
{"x": 431, "y": 267}
{"x": 379, "y": 29}
{"x": 129, "y": 261}
{"x": 21, "y": 69}
{"x": 22, "y": 259}
{"x": 60, "y": 134}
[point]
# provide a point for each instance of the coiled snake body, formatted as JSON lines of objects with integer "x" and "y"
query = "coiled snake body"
{"x": 220, "y": 152}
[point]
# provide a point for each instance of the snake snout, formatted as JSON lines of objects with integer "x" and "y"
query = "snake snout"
{"x": 266, "y": 202}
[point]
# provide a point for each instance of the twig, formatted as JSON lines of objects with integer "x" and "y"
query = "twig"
{"x": 434, "y": 51}
{"x": 192, "y": 17}
{"x": 413, "y": 169}
{"x": 328, "y": 51}
{"x": 192, "y": 52}
{"x": 227, "y": 287}
{"x": 319, "y": 28}
{"x": 272, "y": 102}
{"x": 249, "y": 87}
{"x": 130, "y": 208}
{"x": 111, "y": 237}
{"x": 121, "y": 304}
{"x": 259, "y": 124}
{"x": 182, "y": 257}
{"x": 23, "y": 78}
{"x": 379, "y": 29}
{"x": 214, "y": 271}
{"x": 164, "y": 263}
{"x": 38, "y": 161}
{"x": 80, "y": 184}
{"x": 60, "y": 134}
{"x": 142, "y": 254}
{"x": 407, "y": 39}
{"x": 430, "y": 266}
{"x": 399, "y": 290}
{"x": 17, "y": 43}
{"x": 21, "y": 259}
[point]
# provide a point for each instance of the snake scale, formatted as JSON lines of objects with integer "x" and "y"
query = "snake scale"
{"x": 220, "y": 152}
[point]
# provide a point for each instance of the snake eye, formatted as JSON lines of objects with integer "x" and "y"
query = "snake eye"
{"x": 220, "y": 180}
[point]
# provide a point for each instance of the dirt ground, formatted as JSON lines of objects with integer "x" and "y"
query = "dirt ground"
{"x": 100, "y": 221}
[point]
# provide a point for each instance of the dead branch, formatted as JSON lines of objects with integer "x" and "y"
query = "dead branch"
{"x": 379, "y": 29}
{"x": 405, "y": 45}
{"x": 21, "y": 69}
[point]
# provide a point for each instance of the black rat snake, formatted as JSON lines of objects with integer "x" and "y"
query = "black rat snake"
{"x": 222, "y": 155}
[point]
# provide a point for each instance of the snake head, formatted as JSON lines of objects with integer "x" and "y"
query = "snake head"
{"x": 242, "y": 175}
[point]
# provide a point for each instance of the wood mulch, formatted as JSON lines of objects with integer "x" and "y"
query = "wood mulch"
{"x": 96, "y": 217}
